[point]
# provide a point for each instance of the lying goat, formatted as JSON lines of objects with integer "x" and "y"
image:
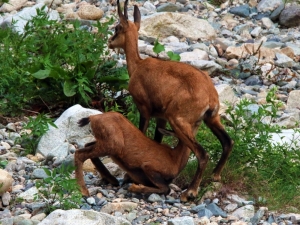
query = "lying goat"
{"x": 150, "y": 165}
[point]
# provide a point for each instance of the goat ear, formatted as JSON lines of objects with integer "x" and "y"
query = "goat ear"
{"x": 123, "y": 19}
{"x": 167, "y": 132}
{"x": 137, "y": 17}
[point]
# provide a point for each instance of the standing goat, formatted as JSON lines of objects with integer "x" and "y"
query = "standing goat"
{"x": 150, "y": 165}
{"x": 171, "y": 91}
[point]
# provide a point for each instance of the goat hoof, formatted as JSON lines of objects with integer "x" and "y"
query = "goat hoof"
{"x": 216, "y": 178}
{"x": 188, "y": 194}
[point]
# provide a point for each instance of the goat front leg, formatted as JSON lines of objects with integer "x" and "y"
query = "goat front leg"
{"x": 79, "y": 158}
{"x": 105, "y": 174}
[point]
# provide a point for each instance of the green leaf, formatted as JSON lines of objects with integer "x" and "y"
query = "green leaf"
{"x": 158, "y": 48}
{"x": 47, "y": 171}
{"x": 69, "y": 87}
{"x": 41, "y": 74}
{"x": 173, "y": 56}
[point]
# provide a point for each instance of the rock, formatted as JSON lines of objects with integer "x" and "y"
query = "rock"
{"x": 196, "y": 54}
{"x": 287, "y": 136}
{"x": 276, "y": 13}
{"x": 21, "y": 18}
{"x": 148, "y": 5}
{"x": 168, "y": 7}
{"x": 268, "y": 5}
{"x": 208, "y": 66}
{"x": 283, "y": 61}
{"x": 185, "y": 220}
{"x": 167, "y": 23}
{"x": 216, "y": 211}
{"x": 119, "y": 206}
{"x": 114, "y": 169}
{"x": 243, "y": 51}
{"x": 155, "y": 198}
{"x": 293, "y": 103}
{"x": 256, "y": 31}
{"x": 243, "y": 10}
{"x": 29, "y": 194}
{"x": 6, "y": 181}
{"x": 226, "y": 94}
{"x": 204, "y": 213}
{"x": 258, "y": 215}
{"x": 90, "y": 12}
{"x": 39, "y": 173}
{"x": 5, "y": 199}
{"x": 244, "y": 212}
{"x": 12, "y": 5}
{"x": 231, "y": 207}
{"x": 290, "y": 16}
{"x": 267, "y": 22}
{"x": 82, "y": 217}
{"x": 67, "y": 129}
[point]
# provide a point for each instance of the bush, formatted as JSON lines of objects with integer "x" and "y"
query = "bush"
{"x": 55, "y": 63}
{"x": 267, "y": 171}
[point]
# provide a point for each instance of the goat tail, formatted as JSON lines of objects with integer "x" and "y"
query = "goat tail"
{"x": 84, "y": 121}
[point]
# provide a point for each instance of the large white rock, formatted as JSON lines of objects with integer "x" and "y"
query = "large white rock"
{"x": 226, "y": 94}
{"x": 67, "y": 131}
{"x": 167, "y": 24}
{"x": 293, "y": 103}
{"x": 6, "y": 181}
{"x": 288, "y": 136}
{"x": 12, "y": 5}
{"x": 21, "y": 18}
{"x": 82, "y": 217}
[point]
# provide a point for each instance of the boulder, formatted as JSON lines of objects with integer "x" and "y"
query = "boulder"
{"x": 90, "y": 12}
{"x": 82, "y": 217}
{"x": 166, "y": 24}
{"x": 67, "y": 131}
{"x": 6, "y": 181}
{"x": 290, "y": 16}
{"x": 12, "y": 5}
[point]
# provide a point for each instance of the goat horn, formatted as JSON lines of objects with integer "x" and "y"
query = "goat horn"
{"x": 122, "y": 17}
{"x": 125, "y": 9}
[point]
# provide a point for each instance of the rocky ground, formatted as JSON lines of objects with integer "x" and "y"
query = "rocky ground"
{"x": 258, "y": 42}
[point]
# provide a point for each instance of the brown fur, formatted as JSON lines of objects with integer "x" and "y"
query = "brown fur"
{"x": 171, "y": 91}
{"x": 150, "y": 165}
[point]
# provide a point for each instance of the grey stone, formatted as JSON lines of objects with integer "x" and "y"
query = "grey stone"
{"x": 253, "y": 80}
{"x": 257, "y": 216}
{"x": 290, "y": 16}
{"x": 82, "y": 217}
{"x": 155, "y": 198}
{"x": 198, "y": 208}
{"x": 243, "y": 10}
{"x": 205, "y": 212}
{"x": 168, "y": 7}
{"x": 216, "y": 210}
{"x": 276, "y": 13}
{"x": 39, "y": 174}
{"x": 186, "y": 220}
{"x": 268, "y": 5}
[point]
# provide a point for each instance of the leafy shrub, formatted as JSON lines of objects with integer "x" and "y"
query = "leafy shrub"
{"x": 37, "y": 126}
{"x": 263, "y": 169}
{"x": 54, "y": 62}
{"x": 59, "y": 190}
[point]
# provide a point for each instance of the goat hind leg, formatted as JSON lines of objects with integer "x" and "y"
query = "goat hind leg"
{"x": 218, "y": 130}
{"x": 105, "y": 174}
{"x": 160, "y": 185}
{"x": 185, "y": 132}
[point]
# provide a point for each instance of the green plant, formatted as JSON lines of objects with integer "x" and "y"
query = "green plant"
{"x": 3, "y": 163}
{"x": 59, "y": 190}
{"x": 263, "y": 169}
{"x": 55, "y": 62}
{"x": 158, "y": 48}
{"x": 38, "y": 126}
